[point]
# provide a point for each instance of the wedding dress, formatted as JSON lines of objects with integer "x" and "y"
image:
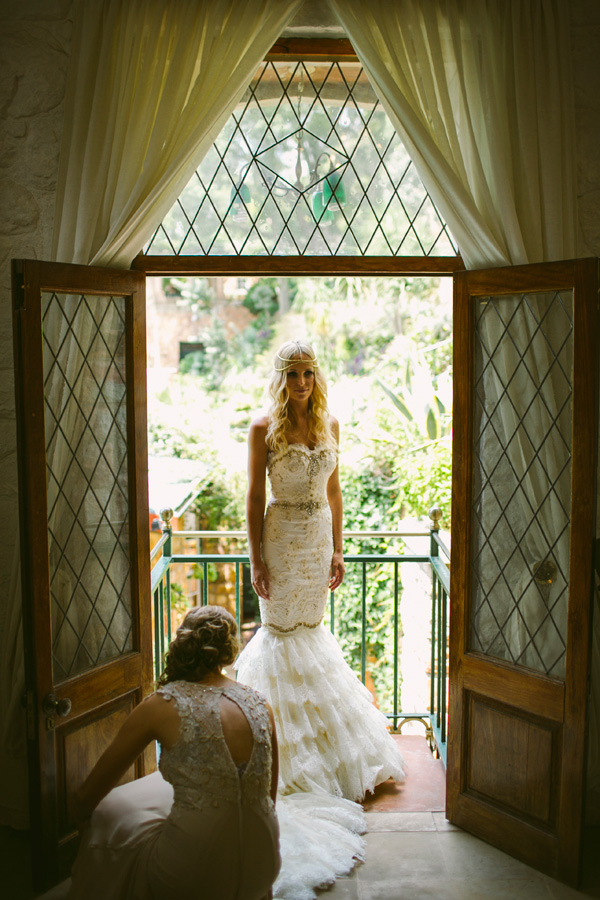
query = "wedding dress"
{"x": 201, "y": 827}
{"x": 334, "y": 746}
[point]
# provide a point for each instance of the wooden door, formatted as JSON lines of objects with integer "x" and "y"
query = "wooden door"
{"x": 525, "y": 427}
{"x": 80, "y": 369}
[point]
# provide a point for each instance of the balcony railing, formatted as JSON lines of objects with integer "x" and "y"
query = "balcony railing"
{"x": 436, "y": 562}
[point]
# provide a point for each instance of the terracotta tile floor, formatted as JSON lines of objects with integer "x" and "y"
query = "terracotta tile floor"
{"x": 425, "y": 787}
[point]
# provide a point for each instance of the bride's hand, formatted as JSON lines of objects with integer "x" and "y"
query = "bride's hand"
{"x": 260, "y": 580}
{"x": 338, "y": 570}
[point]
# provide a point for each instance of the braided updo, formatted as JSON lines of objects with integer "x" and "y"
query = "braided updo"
{"x": 205, "y": 641}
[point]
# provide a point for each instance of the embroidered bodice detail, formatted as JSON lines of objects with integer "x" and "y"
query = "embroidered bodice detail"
{"x": 298, "y": 476}
{"x": 199, "y": 765}
{"x": 297, "y": 537}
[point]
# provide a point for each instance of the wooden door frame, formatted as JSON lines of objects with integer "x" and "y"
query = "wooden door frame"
{"x": 561, "y": 701}
{"x": 120, "y": 683}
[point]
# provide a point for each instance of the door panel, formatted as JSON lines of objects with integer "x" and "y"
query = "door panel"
{"x": 80, "y": 375}
{"x": 81, "y": 742}
{"x": 525, "y": 422}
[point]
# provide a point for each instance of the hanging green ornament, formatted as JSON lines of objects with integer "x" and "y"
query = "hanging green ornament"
{"x": 333, "y": 189}
{"x": 320, "y": 213}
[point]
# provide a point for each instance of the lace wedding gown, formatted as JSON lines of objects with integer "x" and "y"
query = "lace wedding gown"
{"x": 334, "y": 745}
{"x": 201, "y": 827}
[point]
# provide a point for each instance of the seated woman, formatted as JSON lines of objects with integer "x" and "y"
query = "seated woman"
{"x": 205, "y": 825}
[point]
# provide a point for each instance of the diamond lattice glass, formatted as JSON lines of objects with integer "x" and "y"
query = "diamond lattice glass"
{"x": 86, "y": 452}
{"x": 522, "y": 478}
{"x": 308, "y": 164}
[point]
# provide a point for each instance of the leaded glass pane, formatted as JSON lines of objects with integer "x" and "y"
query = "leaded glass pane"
{"x": 308, "y": 164}
{"x": 86, "y": 451}
{"x": 522, "y": 478}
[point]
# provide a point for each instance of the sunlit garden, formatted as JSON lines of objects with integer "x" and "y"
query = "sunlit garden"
{"x": 385, "y": 347}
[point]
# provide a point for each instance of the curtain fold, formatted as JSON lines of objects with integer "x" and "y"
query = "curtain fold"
{"x": 151, "y": 85}
{"x": 480, "y": 93}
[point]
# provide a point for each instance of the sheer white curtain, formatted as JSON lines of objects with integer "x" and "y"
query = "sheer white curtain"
{"x": 480, "y": 91}
{"x": 151, "y": 83}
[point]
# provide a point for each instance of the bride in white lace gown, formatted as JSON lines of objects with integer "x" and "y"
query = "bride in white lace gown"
{"x": 204, "y": 826}
{"x": 334, "y": 746}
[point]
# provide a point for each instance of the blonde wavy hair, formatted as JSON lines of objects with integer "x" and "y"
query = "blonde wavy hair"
{"x": 281, "y": 417}
{"x": 205, "y": 641}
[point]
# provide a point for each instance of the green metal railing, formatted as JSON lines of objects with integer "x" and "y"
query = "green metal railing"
{"x": 433, "y": 719}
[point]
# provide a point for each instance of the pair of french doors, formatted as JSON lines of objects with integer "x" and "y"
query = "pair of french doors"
{"x": 525, "y": 425}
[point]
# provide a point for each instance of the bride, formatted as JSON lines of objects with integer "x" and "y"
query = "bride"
{"x": 334, "y": 745}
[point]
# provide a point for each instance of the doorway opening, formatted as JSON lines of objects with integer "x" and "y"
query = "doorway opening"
{"x": 385, "y": 346}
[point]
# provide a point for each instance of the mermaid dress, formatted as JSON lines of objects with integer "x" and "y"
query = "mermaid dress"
{"x": 201, "y": 827}
{"x": 334, "y": 744}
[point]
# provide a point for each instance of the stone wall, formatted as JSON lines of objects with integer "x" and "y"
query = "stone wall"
{"x": 585, "y": 40}
{"x": 35, "y": 48}
{"x": 36, "y": 37}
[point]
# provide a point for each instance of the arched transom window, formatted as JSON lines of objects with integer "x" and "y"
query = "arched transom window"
{"x": 308, "y": 164}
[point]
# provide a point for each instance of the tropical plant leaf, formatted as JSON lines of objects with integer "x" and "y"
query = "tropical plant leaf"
{"x": 432, "y": 424}
{"x": 397, "y": 401}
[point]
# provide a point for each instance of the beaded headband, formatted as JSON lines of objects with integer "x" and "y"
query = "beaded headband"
{"x": 291, "y": 362}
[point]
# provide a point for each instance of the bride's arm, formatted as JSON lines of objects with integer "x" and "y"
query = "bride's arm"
{"x": 334, "y": 496}
{"x": 255, "y": 503}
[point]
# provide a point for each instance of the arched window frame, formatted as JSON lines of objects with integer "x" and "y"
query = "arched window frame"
{"x": 305, "y": 50}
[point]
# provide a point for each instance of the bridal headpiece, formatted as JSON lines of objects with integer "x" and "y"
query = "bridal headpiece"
{"x": 287, "y": 362}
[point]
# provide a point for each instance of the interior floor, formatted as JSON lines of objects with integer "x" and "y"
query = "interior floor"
{"x": 413, "y": 852}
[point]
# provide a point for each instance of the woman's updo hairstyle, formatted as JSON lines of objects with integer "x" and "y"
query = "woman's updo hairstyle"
{"x": 205, "y": 641}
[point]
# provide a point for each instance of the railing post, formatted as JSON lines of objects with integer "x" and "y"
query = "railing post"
{"x": 363, "y": 642}
{"x": 166, "y": 515}
{"x": 435, "y": 514}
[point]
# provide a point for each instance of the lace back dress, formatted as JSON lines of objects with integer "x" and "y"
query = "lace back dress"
{"x": 201, "y": 827}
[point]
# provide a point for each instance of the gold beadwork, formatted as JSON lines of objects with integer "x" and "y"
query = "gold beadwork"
{"x": 308, "y": 506}
{"x": 293, "y": 628}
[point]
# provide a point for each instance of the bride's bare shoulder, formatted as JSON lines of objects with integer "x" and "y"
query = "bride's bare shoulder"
{"x": 257, "y": 435}
{"x": 259, "y": 425}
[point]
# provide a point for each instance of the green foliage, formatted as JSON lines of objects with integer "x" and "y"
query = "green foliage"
{"x": 179, "y": 602}
{"x": 261, "y": 299}
{"x": 369, "y": 495}
{"x": 194, "y": 292}
{"x": 211, "y": 362}
{"x": 385, "y": 347}
{"x": 424, "y": 478}
{"x": 420, "y": 405}
{"x": 220, "y": 504}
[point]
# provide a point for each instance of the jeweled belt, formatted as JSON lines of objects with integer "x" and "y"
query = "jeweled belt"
{"x": 308, "y": 506}
{"x": 277, "y": 629}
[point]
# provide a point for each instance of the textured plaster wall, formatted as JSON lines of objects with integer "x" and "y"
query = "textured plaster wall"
{"x": 34, "y": 52}
{"x": 585, "y": 41}
{"x": 35, "y": 45}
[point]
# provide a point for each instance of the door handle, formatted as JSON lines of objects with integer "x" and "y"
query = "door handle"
{"x": 51, "y": 706}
